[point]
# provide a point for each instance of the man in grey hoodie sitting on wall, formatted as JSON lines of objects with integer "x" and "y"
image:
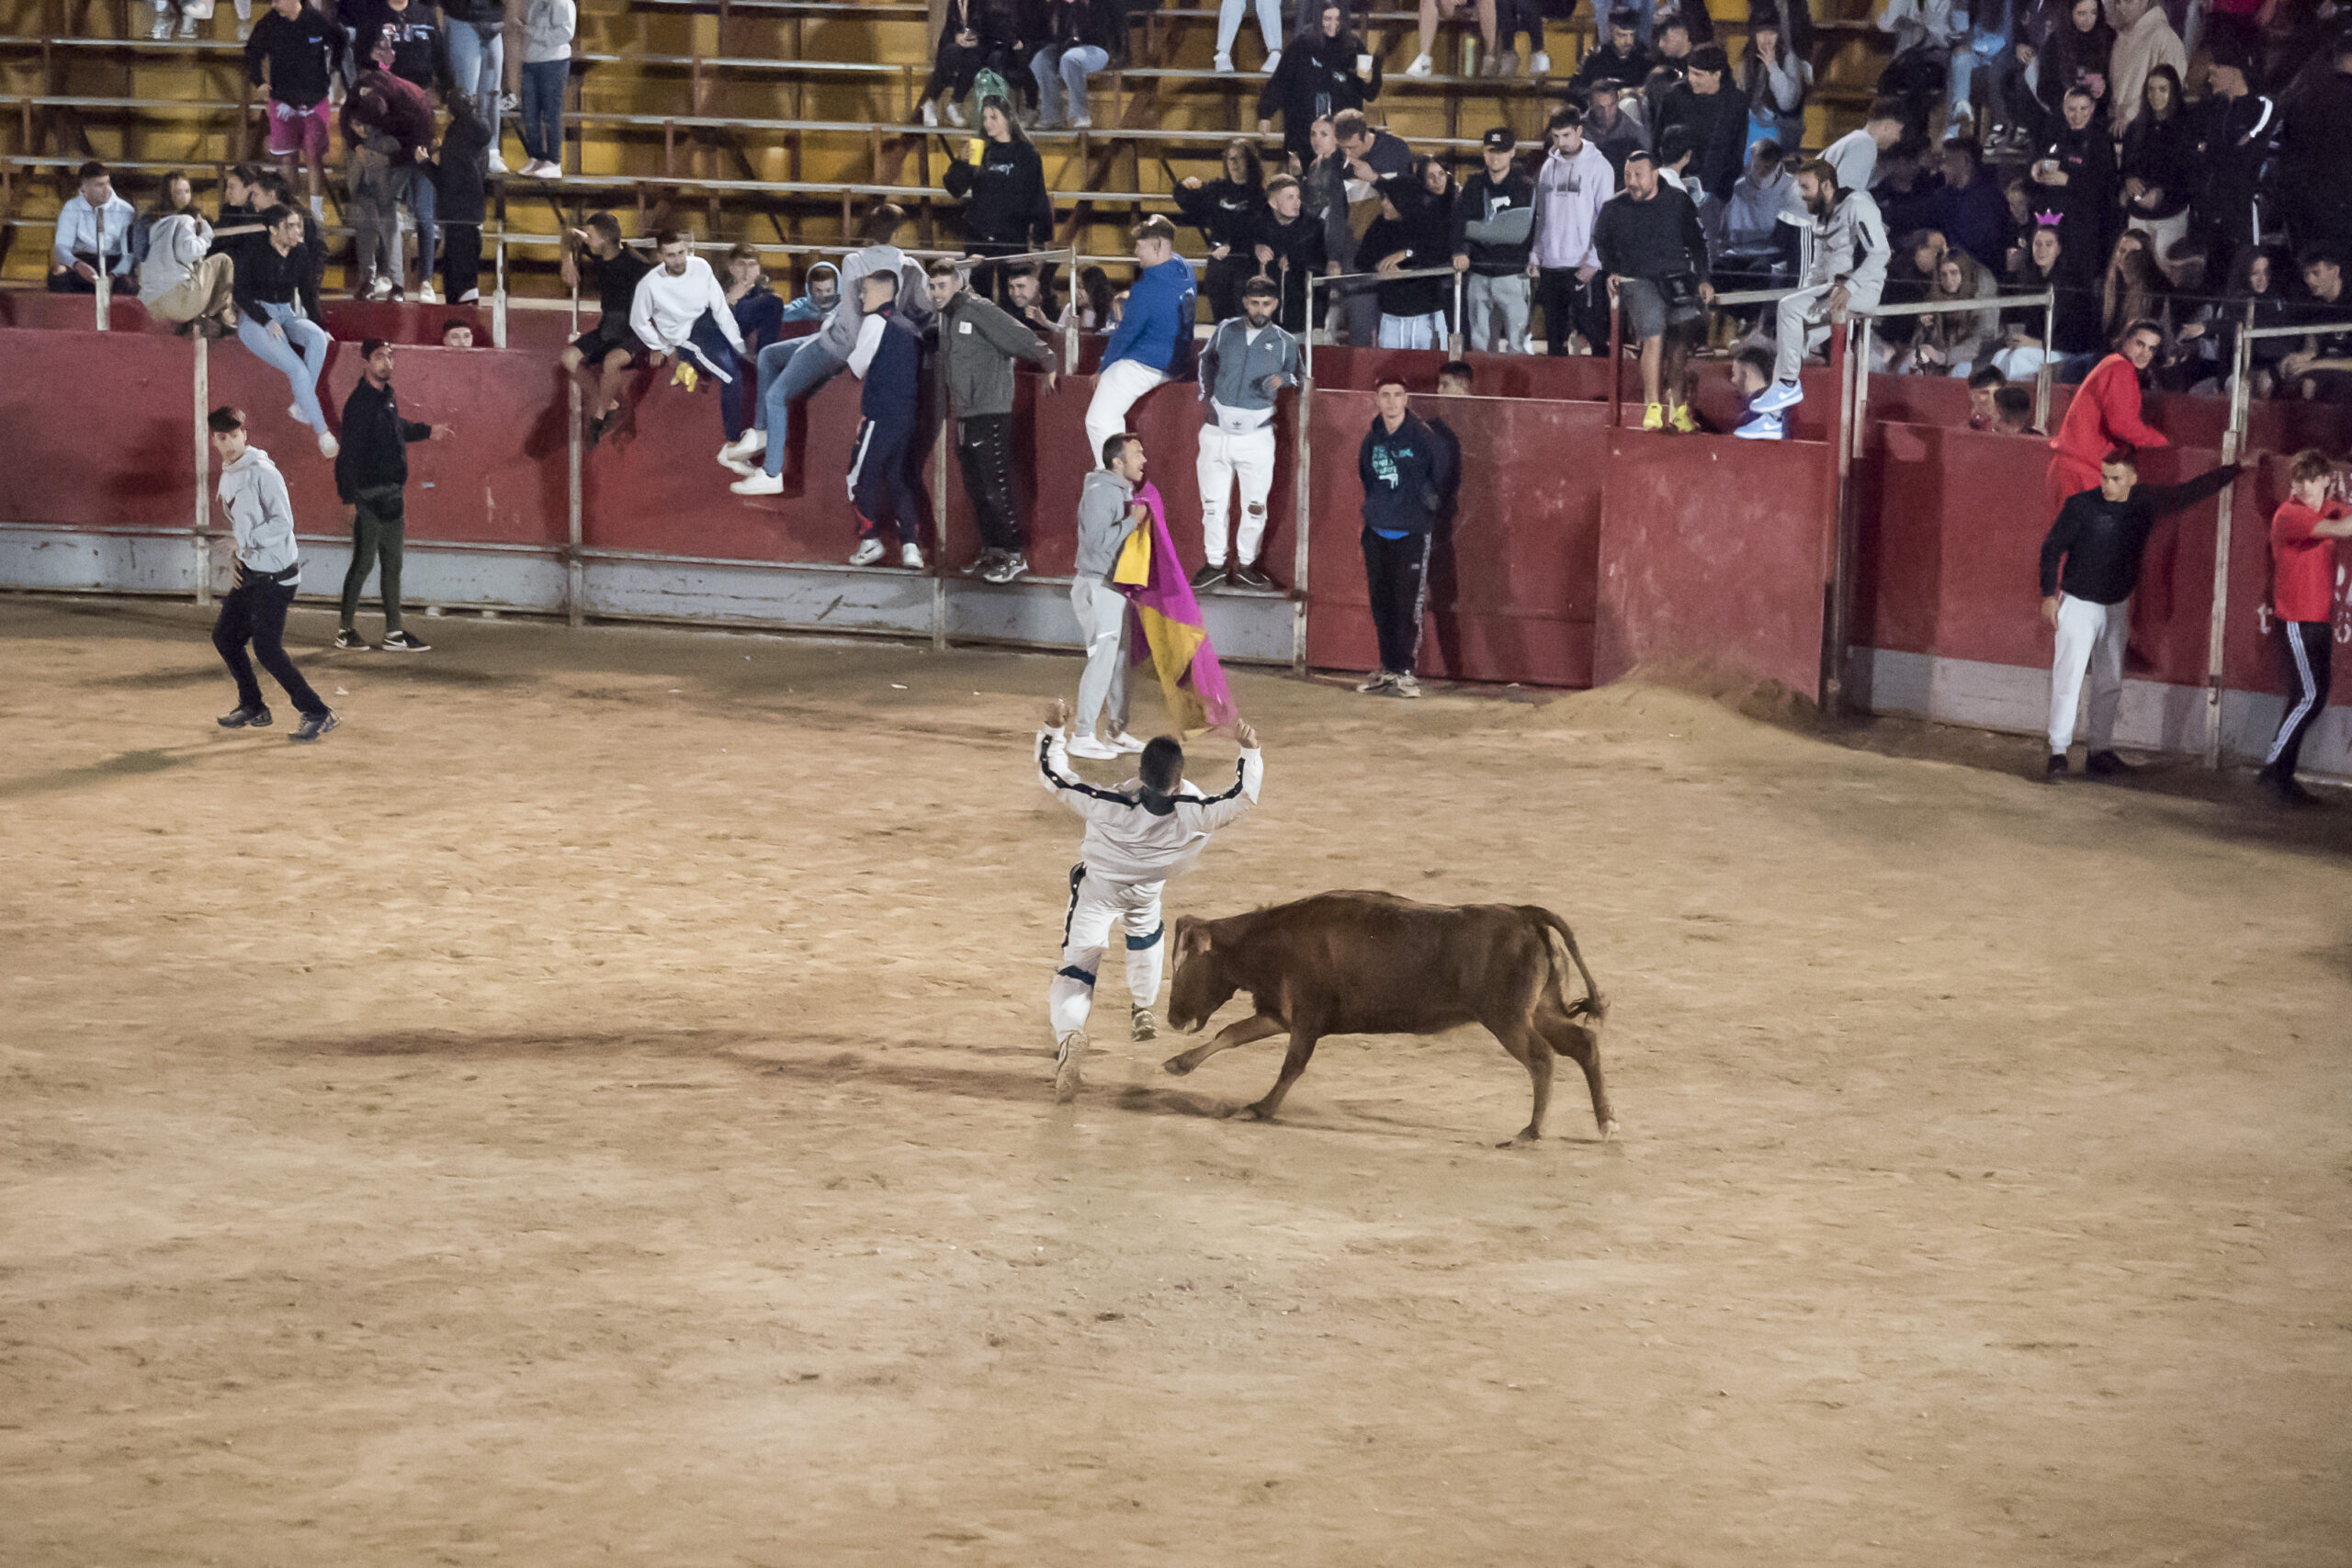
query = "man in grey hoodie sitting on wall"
{"x": 182, "y": 283}
{"x": 1107, "y": 513}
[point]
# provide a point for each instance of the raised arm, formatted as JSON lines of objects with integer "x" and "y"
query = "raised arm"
{"x": 2169, "y": 499}
{"x": 1249, "y": 773}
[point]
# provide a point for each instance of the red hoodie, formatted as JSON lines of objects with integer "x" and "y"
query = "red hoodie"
{"x": 2105, "y": 415}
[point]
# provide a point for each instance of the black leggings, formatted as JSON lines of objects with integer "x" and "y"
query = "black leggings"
{"x": 255, "y": 613}
{"x": 1396, "y": 574}
{"x": 2311, "y": 648}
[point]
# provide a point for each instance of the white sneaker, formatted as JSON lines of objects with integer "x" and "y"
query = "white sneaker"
{"x": 497, "y": 162}
{"x": 1095, "y": 751}
{"x": 1069, "y": 1055}
{"x": 1223, "y": 65}
{"x": 1272, "y": 59}
{"x": 911, "y": 558}
{"x": 1125, "y": 744}
{"x": 382, "y": 288}
{"x": 750, "y": 443}
{"x": 759, "y": 483}
{"x": 1539, "y": 65}
{"x": 1081, "y": 122}
{"x": 1379, "y": 679}
{"x": 739, "y": 466}
{"x": 955, "y": 114}
{"x": 1423, "y": 65}
{"x": 188, "y": 26}
{"x": 162, "y": 27}
{"x": 329, "y": 447}
{"x": 425, "y": 295}
{"x": 868, "y": 551}
{"x": 930, "y": 112}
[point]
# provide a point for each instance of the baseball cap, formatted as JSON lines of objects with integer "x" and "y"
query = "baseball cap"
{"x": 1501, "y": 139}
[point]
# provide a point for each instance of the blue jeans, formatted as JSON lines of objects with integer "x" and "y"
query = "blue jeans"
{"x": 478, "y": 59}
{"x": 421, "y": 198}
{"x": 543, "y": 108}
{"x": 788, "y": 371}
{"x": 302, "y": 355}
{"x": 1979, "y": 48}
{"x": 1061, "y": 73}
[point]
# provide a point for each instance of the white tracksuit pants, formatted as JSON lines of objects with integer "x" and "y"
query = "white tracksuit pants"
{"x": 1804, "y": 325}
{"x": 1101, "y": 612}
{"x": 2090, "y": 637}
{"x": 1116, "y": 389}
{"x": 1095, "y": 907}
{"x": 1225, "y": 457}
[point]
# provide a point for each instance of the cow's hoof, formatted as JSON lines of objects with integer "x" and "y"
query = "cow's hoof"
{"x": 1608, "y": 1132}
{"x": 1179, "y": 1065}
{"x": 1254, "y": 1113}
{"x": 1528, "y": 1137}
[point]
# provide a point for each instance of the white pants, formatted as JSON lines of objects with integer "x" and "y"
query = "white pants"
{"x": 1413, "y": 331}
{"x": 1095, "y": 907}
{"x": 1804, "y": 325}
{"x": 1225, "y": 457}
{"x": 1117, "y": 388}
{"x": 1103, "y": 688}
{"x": 1503, "y": 297}
{"x": 2090, "y": 637}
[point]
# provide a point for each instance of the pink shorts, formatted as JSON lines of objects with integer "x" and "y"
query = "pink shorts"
{"x": 295, "y": 131}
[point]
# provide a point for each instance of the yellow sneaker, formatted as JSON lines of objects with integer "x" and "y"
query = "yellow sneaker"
{"x": 683, "y": 375}
{"x": 1654, "y": 417}
{"x": 1680, "y": 420}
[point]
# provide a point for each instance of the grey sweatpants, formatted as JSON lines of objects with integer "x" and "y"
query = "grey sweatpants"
{"x": 1102, "y": 623}
{"x": 1499, "y": 298}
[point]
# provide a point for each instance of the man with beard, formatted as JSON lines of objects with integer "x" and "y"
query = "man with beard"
{"x": 1844, "y": 256}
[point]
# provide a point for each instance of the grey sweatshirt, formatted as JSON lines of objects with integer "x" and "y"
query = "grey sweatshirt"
{"x": 547, "y": 27}
{"x": 1102, "y": 505}
{"x": 175, "y": 245}
{"x": 1234, "y": 371}
{"x": 838, "y": 336}
{"x": 979, "y": 344}
{"x": 253, "y": 493}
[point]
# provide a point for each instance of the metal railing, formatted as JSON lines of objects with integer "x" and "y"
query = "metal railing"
{"x": 1330, "y": 280}
{"x": 2044, "y": 374}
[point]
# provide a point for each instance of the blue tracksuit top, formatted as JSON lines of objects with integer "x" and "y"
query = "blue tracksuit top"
{"x": 894, "y": 380}
{"x": 1158, "y": 320}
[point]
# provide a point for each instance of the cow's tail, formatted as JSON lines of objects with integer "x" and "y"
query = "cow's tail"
{"x": 1592, "y": 1004}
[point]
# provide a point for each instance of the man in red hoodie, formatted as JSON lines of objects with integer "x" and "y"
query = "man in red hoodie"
{"x": 2302, "y": 594}
{"x": 2105, "y": 415}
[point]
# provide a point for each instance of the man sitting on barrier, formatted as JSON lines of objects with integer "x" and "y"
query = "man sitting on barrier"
{"x": 1247, "y": 363}
{"x": 1153, "y": 342}
{"x": 680, "y": 311}
{"x": 1845, "y": 251}
{"x": 2105, "y": 415}
{"x": 594, "y": 259}
{"x": 1651, "y": 248}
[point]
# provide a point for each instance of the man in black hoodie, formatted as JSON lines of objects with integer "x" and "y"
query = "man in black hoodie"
{"x": 1494, "y": 230}
{"x": 1407, "y": 474}
{"x": 293, "y": 55}
{"x": 371, "y": 476}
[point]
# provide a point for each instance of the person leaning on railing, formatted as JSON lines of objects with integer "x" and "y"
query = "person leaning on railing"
{"x": 1573, "y": 183}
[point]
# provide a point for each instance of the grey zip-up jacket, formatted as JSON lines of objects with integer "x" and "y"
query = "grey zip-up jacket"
{"x": 261, "y": 515}
{"x": 1234, "y": 371}
{"x": 1102, "y": 505}
{"x": 838, "y": 336}
{"x": 1848, "y": 246}
{"x": 977, "y": 343}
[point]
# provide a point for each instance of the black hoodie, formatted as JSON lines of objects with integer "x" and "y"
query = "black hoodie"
{"x": 1005, "y": 195}
{"x": 303, "y": 56}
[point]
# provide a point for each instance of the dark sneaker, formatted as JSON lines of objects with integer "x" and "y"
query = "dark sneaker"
{"x": 602, "y": 426}
{"x": 1379, "y": 681}
{"x": 1210, "y": 576}
{"x": 983, "y": 563}
{"x": 2056, "y": 772}
{"x": 1250, "y": 577}
{"x": 350, "y": 640}
{"x": 2105, "y": 764}
{"x": 2278, "y": 782}
{"x": 314, "y": 725}
{"x": 1007, "y": 568}
{"x": 246, "y": 718}
{"x": 400, "y": 642}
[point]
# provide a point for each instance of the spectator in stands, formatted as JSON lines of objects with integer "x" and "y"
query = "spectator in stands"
{"x": 1751, "y": 375}
{"x": 1006, "y": 210}
{"x": 1655, "y": 257}
{"x": 1090, "y": 308}
{"x": 1984, "y": 383}
{"x": 1973, "y": 213}
{"x": 267, "y": 571}
{"x": 2101, "y": 536}
{"x": 2131, "y": 289}
{"x": 2144, "y": 40}
{"x": 1494, "y": 236}
{"x": 596, "y": 261}
{"x": 1571, "y": 185}
{"x": 1326, "y": 71}
{"x": 164, "y": 11}
{"x": 1910, "y": 274}
{"x": 1326, "y": 188}
{"x": 1667, "y": 71}
{"x": 277, "y": 289}
{"x": 1715, "y": 119}
{"x": 975, "y": 36}
{"x": 2315, "y": 154}
{"x": 2236, "y": 135}
{"x": 1924, "y": 33}
{"x": 2321, "y": 368}
{"x": 1609, "y": 128}
{"x": 2105, "y": 415}
{"x": 1752, "y": 244}
{"x": 455, "y": 333}
{"x": 2078, "y": 178}
{"x": 413, "y": 27}
{"x": 2302, "y": 596}
{"x": 2012, "y": 411}
{"x": 1153, "y": 341}
{"x": 93, "y": 236}
{"x": 2012, "y": 118}
{"x": 1513, "y": 18}
{"x": 1228, "y": 26}
{"x": 294, "y": 55}
{"x": 2077, "y": 57}
{"x": 1775, "y": 80}
{"x": 1983, "y": 40}
{"x": 759, "y": 317}
{"x": 1290, "y": 251}
{"x": 408, "y": 115}
{"x": 176, "y": 195}
{"x": 1843, "y": 267}
{"x": 792, "y": 369}
{"x": 1424, "y": 62}
{"x": 1024, "y": 297}
{"x": 1621, "y": 56}
{"x": 2045, "y": 267}
{"x": 1228, "y": 211}
{"x": 977, "y": 347}
{"x": 1951, "y": 343}
{"x": 1082, "y": 37}
{"x": 888, "y": 361}
{"x": 2159, "y": 163}
{"x": 1411, "y": 234}
{"x": 371, "y": 478}
{"x": 478, "y": 61}
{"x": 1690, "y": 16}
{"x": 1406, "y": 477}
{"x": 1374, "y": 157}
{"x": 461, "y": 175}
{"x": 179, "y": 282}
{"x": 388, "y": 125}
{"x": 1248, "y": 362}
{"x": 547, "y": 27}
{"x": 2255, "y": 287}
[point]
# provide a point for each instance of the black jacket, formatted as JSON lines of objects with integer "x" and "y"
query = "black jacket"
{"x": 1718, "y": 124}
{"x": 462, "y": 171}
{"x": 2236, "y": 139}
{"x": 1226, "y": 213}
{"x": 2102, "y": 541}
{"x": 261, "y": 275}
{"x": 420, "y": 46}
{"x": 1482, "y": 200}
{"x": 1407, "y": 476}
{"x": 303, "y": 56}
{"x": 1005, "y": 195}
{"x": 1605, "y": 64}
{"x": 1317, "y": 77}
{"x": 375, "y": 442}
{"x": 1654, "y": 239}
{"x": 1422, "y": 233}
{"x": 1300, "y": 254}
{"x": 613, "y": 282}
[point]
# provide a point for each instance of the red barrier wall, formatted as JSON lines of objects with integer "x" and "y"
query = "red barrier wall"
{"x": 1714, "y": 549}
{"x": 99, "y": 436}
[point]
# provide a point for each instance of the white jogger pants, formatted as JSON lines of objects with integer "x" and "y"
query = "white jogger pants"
{"x": 1096, "y": 905}
{"x": 1223, "y": 458}
{"x": 2090, "y": 637}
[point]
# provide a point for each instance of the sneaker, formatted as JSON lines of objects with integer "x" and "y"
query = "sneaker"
{"x": 761, "y": 482}
{"x": 1125, "y": 744}
{"x": 425, "y": 295}
{"x": 603, "y": 424}
{"x": 1379, "y": 681}
{"x": 1404, "y": 686}
{"x": 245, "y": 719}
{"x": 1539, "y": 65}
{"x": 2055, "y": 772}
{"x": 382, "y": 288}
{"x": 982, "y": 564}
{"x": 350, "y": 640}
{"x": 1778, "y": 396}
{"x": 868, "y": 551}
{"x": 497, "y": 162}
{"x": 911, "y": 556}
{"x": 1654, "y": 417}
{"x": 1763, "y": 427}
{"x": 1274, "y": 60}
{"x": 929, "y": 113}
{"x": 737, "y": 466}
{"x": 1252, "y": 579}
{"x": 329, "y": 447}
{"x": 1007, "y": 568}
{"x": 1423, "y": 65}
{"x": 2281, "y": 784}
{"x": 956, "y": 115}
{"x": 1069, "y": 1055}
{"x": 162, "y": 30}
{"x": 1141, "y": 1025}
{"x": 750, "y": 443}
{"x": 1093, "y": 750}
{"x": 400, "y": 642}
{"x": 1507, "y": 63}
{"x": 1222, "y": 66}
{"x": 2105, "y": 764}
{"x": 1210, "y": 576}
{"x": 1081, "y": 122}
{"x": 314, "y": 725}
{"x": 1679, "y": 418}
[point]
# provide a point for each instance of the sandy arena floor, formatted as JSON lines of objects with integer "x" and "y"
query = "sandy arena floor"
{"x": 595, "y": 1108}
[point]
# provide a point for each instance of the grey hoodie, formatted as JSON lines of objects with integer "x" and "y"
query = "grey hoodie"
{"x": 253, "y": 493}
{"x": 977, "y": 343}
{"x": 1102, "y": 526}
{"x": 175, "y": 245}
{"x": 1234, "y": 371}
{"x": 838, "y": 336}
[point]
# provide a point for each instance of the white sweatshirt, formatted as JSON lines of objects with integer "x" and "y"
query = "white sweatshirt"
{"x": 253, "y": 493}
{"x": 666, "y": 308}
{"x": 1125, "y": 840}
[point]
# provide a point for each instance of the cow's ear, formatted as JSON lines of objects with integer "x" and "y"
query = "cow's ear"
{"x": 1191, "y": 937}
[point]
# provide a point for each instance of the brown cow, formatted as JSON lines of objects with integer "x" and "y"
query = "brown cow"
{"x": 1375, "y": 963}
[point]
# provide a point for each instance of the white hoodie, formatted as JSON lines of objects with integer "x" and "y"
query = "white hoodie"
{"x": 667, "y": 308}
{"x": 253, "y": 493}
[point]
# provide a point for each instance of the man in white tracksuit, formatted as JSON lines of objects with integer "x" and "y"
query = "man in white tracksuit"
{"x": 1152, "y": 827}
{"x": 1845, "y": 256}
{"x": 1248, "y": 362}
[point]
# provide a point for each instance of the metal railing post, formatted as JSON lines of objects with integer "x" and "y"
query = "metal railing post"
{"x": 1301, "y": 504}
{"x": 1616, "y": 367}
{"x": 200, "y": 382}
{"x": 2046, "y": 374}
{"x": 102, "y": 294}
{"x": 498, "y": 300}
{"x": 2224, "y": 509}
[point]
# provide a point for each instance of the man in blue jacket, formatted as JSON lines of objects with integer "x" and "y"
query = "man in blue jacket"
{"x": 1407, "y": 474}
{"x": 1153, "y": 342}
{"x": 882, "y": 491}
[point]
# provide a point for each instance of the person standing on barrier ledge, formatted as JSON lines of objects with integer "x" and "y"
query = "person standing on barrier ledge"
{"x": 266, "y": 571}
{"x": 2100, "y": 537}
{"x": 1108, "y": 513}
{"x": 882, "y": 490}
{"x": 1407, "y": 477}
{"x": 2302, "y": 594}
{"x": 1845, "y": 251}
{"x": 1651, "y": 248}
{"x": 1152, "y": 344}
{"x": 1572, "y": 184}
{"x": 371, "y": 478}
{"x": 1247, "y": 363}
{"x": 977, "y": 343}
